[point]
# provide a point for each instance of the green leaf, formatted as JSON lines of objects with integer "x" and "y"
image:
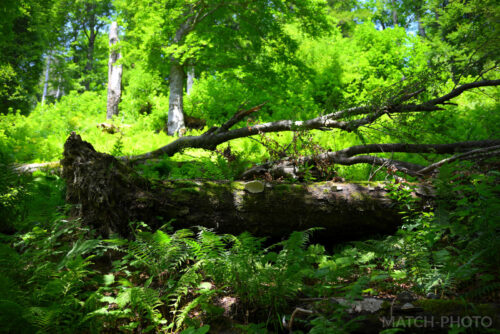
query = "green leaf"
{"x": 108, "y": 299}
{"x": 108, "y": 279}
{"x": 398, "y": 274}
{"x": 366, "y": 257}
{"x": 205, "y": 286}
{"x": 123, "y": 298}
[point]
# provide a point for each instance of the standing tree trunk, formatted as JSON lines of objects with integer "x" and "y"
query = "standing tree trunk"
{"x": 175, "y": 123}
{"x": 59, "y": 90}
{"x": 175, "y": 106}
{"x": 394, "y": 14}
{"x": 421, "y": 29}
{"x": 190, "y": 79}
{"x": 90, "y": 59}
{"x": 46, "y": 80}
{"x": 114, "y": 74}
{"x": 91, "y": 36}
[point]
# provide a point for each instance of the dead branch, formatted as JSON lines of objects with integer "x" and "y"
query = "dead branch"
{"x": 30, "y": 168}
{"x": 238, "y": 117}
{"x": 297, "y": 310}
{"x": 336, "y": 120}
{"x": 486, "y": 152}
{"x": 350, "y": 156}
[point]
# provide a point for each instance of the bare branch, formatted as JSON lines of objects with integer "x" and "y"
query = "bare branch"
{"x": 294, "y": 313}
{"x": 474, "y": 154}
{"x": 30, "y": 168}
{"x": 412, "y": 95}
{"x": 431, "y": 105}
{"x": 239, "y": 116}
{"x": 349, "y": 156}
{"x": 200, "y": 17}
{"x": 459, "y": 90}
{"x": 417, "y": 148}
{"x": 402, "y": 166}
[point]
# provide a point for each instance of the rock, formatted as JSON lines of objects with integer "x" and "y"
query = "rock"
{"x": 407, "y": 306}
{"x": 370, "y": 305}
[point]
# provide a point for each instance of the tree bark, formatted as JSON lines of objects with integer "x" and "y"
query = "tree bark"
{"x": 114, "y": 74}
{"x": 394, "y": 13}
{"x": 59, "y": 91}
{"x": 110, "y": 194}
{"x": 175, "y": 106}
{"x": 190, "y": 79}
{"x": 46, "y": 79}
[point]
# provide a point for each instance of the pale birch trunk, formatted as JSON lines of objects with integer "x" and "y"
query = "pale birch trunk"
{"x": 47, "y": 77}
{"x": 114, "y": 74}
{"x": 175, "y": 106}
{"x": 58, "y": 92}
{"x": 190, "y": 79}
{"x": 175, "y": 123}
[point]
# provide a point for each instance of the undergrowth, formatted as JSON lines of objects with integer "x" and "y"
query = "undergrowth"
{"x": 57, "y": 277}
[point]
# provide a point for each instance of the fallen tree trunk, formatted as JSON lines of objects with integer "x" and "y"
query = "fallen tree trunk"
{"x": 345, "y": 211}
{"x": 109, "y": 195}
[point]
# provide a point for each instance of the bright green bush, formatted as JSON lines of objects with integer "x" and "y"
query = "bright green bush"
{"x": 40, "y": 136}
{"x": 216, "y": 98}
{"x": 12, "y": 92}
{"x": 140, "y": 89}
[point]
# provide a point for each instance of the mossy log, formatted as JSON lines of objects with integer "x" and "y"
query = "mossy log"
{"x": 110, "y": 194}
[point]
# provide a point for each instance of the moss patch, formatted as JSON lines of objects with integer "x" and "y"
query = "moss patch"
{"x": 358, "y": 195}
{"x": 237, "y": 185}
{"x": 185, "y": 194}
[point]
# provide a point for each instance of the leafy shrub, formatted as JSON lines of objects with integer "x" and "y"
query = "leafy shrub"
{"x": 440, "y": 252}
{"x": 140, "y": 89}
{"x": 12, "y": 93}
{"x": 218, "y": 98}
